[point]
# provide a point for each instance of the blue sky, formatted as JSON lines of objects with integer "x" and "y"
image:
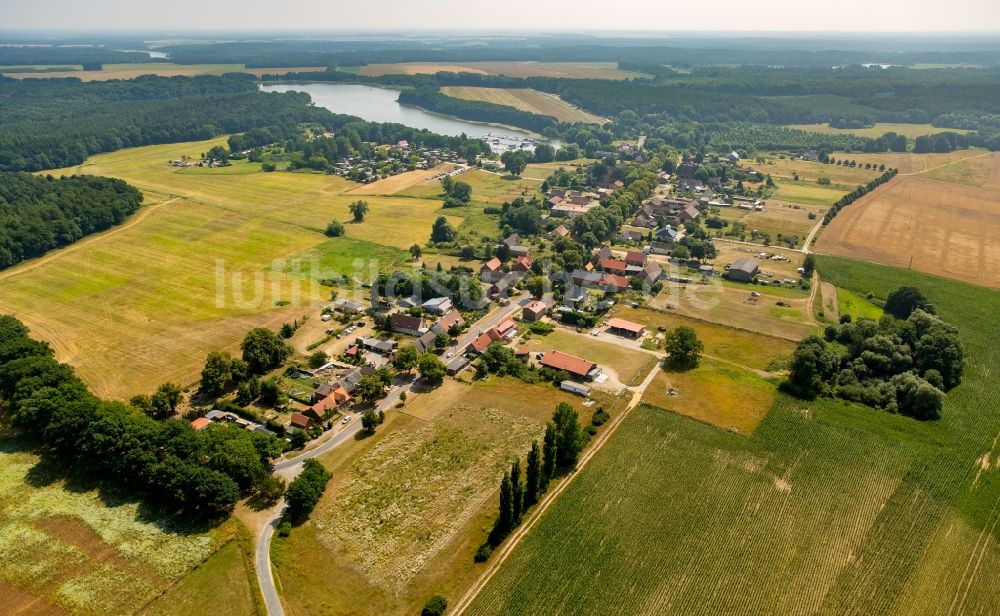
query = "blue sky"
{"x": 508, "y": 15}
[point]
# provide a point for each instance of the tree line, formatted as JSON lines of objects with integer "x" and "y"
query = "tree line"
{"x": 187, "y": 473}
{"x": 857, "y": 193}
{"x": 38, "y": 214}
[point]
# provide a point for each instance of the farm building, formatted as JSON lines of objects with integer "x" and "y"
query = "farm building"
{"x": 349, "y": 380}
{"x": 457, "y": 365}
{"x": 347, "y": 306}
{"x": 651, "y": 273}
{"x": 743, "y": 270}
{"x": 520, "y": 251}
{"x": 631, "y": 236}
{"x": 513, "y": 240}
{"x": 612, "y": 283}
{"x": 612, "y": 266}
{"x": 627, "y": 329}
{"x": 379, "y": 346}
{"x": 560, "y": 231}
{"x": 425, "y": 343}
{"x": 522, "y": 264}
{"x": 580, "y": 369}
{"x": 407, "y": 324}
{"x": 575, "y": 388}
{"x": 534, "y": 311}
{"x": 200, "y": 423}
{"x": 438, "y": 305}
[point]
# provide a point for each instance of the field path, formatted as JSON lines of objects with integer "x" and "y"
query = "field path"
{"x": 135, "y": 219}
{"x": 500, "y": 556}
{"x": 947, "y": 164}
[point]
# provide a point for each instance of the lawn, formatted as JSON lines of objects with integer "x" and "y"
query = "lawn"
{"x": 202, "y": 262}
{"x": 631, "y": 367}
{"x": 73, "y": 547}
{"x": 716, "y": 393}
{"x": 830, "y": 507}
{"x": 856, "y": 306}
{"x": 753, "y": 350}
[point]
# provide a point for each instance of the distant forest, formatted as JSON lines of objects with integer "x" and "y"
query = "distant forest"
{"x": 38, "y": 214}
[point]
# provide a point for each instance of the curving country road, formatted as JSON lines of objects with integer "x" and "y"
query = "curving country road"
{"x": 289, "y": 469}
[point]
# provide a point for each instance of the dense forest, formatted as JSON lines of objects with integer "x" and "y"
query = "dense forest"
{"x": 196, "y": 475}
{"x": 38, "y": 214}
{"x": 51, "y": 123}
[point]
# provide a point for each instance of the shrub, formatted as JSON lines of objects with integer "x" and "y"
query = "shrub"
{"x": 600, "y": 417}
{"x": 484, "y": 552}
{"x": 285, "y": 529}
{"x": 435, "y": 606}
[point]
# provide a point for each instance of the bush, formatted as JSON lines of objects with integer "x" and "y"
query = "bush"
{"x": 334, "y": 229}
{"x": 285, "y": 529}
{"x": 306, "y": 489}
{"x": 435, "y": 606}
{"x": 600, "y": 417}
{"x": 317, "y": 359}
{"x": 484, "y": 552}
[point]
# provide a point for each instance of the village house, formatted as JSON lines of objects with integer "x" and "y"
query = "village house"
{"x": 580, "y": 369}
{"x": 300, "y": 421}
{"x": 560, "y": 231}
{"x": 335, "y": 400}
{"x": 425, "y": 343}
{"x": 564, "y": 210}
{"x": 635, "y": 257}
{"x": 534, "y": 311}
{"x": 500, "y": 288}
{"x": 438, "y": 305}
{"x": 201, "y": 423}
{"x": 612, "y": 266}
{"x": 522, "y": 264}
{"x": 491, "y": 271}
{"x": 513, "y": 240}
{"x": 407, "y": 324}
{"x": 445, "y": 323}
{"x": 631, "y": 236}
{"x": 519, "y": 251}
{"x": 651, "y": 273}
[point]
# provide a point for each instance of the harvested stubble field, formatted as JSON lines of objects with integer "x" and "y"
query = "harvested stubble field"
{"x": 936, "y": 227}
{"x": 570, "y": 70}
{"x": 163, "y": 69}
{"x": 909, "y": 162}
{"x": 879, "y": 129}
{"x": 826, "y": 508}
{"x": 139, "y": 305}
{"x": 73, "y": 549}
{"x": 526, "y": 99}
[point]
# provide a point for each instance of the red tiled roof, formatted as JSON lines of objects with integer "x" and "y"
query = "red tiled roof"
{"x": 536, "y": 307}
{"x": 626, "y": 325}
{"x": 479, "y": 344}
{"x": 406, "y": 321}
{"x": 635, "y": 257}
{"x": 492, "y": 265}
{"x": 612, "y": 265}
{"x": 611, "y": 280}
{"x": 301, "y": 421}
{"x": 201, "y": 423}
{"x": 523, "y": 262}
{"x": 503, "y": 327}
{"x": 558, "y": 360}
{"x": 338, "y": 397}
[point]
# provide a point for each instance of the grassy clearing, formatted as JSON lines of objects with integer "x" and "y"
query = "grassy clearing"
{"x": 73, "y": 548}
{"x": 525, "y": 99}
{"x": 857, "y": 306}
{"x": 629, "y": 366}
{"x": 788, "y": 168}
{"x": 750, "y": 349}
{"x": 809, "y": 193}
{"x": 834, "y": 507}
{"x": 140, "y": 304}
{"x": 880, "y": 128}
{"x": 716, "y": 393}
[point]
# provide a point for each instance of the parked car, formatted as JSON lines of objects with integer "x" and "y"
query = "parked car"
{"x": 361, "y": 323}
{"x": 346, "y": 420}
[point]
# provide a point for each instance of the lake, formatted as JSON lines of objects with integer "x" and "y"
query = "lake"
{"x": 379, "y": 105}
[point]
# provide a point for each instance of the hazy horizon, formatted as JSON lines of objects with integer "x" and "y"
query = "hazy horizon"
{"x": 725, "y": 17}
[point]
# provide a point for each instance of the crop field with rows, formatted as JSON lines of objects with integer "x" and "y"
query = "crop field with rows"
{"x": 827, "y": 507}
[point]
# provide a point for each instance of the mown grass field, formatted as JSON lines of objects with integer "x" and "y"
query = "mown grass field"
{"x": 788, "y": 168}
{"x": 205, "y": 259}
{"x": 827, "y": 507}
{"x": 856, "y": 306}
{"x": 71, "y": 548}
{"x": 163, "y": 69}
{"x": 525, "y": 99}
